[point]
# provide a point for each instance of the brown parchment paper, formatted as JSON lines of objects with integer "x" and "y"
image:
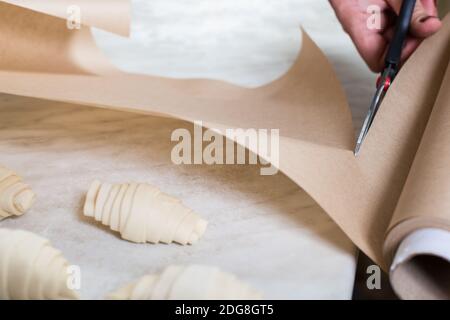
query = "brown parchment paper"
{"x": 425, "y": 200}
{"x": 42, "y": 58}
{"x": 425, "y": 203}
{"x": 109, "y": 15}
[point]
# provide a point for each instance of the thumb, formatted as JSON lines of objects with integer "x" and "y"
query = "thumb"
{"x": 424, "y": 22}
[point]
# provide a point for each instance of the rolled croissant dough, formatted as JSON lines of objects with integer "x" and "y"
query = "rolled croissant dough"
{"x": 142, "y": 213}
{"x": 30, "y": 268}
{"x": 194, "y": 282}
{"x": 15, "y": 196}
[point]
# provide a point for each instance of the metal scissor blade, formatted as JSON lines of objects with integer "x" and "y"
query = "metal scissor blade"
{"x": 375, "y": 105}
{"x": 392, "y": 64}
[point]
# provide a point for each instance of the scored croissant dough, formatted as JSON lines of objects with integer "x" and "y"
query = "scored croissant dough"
{"x": 194, "y": 282}
{"x": 30, "y": 268}
{"x": 15, "y": 196}
{"x": 142, "y": 213}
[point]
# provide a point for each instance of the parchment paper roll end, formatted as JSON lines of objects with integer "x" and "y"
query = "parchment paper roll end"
{"x": 421, "y": 265}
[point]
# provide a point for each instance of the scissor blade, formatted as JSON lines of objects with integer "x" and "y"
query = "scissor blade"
{"x": 370, "y": 117}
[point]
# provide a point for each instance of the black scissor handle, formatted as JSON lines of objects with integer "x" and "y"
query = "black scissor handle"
{"x": 394, "y": 53}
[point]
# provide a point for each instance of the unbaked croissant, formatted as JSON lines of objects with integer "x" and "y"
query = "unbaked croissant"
{"x": 142, "y": 213}
{"x": 30, "y": 268}
{"x": 15, "y": 196}
{"x": 194, "y": 282}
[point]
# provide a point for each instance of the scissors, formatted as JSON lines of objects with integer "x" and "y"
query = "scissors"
{"x": 391, "y": 67}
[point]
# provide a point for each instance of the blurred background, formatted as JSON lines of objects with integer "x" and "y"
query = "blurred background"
{"x": 444, "y": 7}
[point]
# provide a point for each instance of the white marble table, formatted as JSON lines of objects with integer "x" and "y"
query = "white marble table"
{"x": 264, "y": 229}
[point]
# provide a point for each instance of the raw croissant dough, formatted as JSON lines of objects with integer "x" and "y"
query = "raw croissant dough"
{"x": 30, "y": 268}
{"x": 142, "y": 213}
{"x": 193, "y": 282}
{"x": 15, "y": 196}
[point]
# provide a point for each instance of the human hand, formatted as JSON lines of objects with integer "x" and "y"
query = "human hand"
{"x": 372, "y": 44}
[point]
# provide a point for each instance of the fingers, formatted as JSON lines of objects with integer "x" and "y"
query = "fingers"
{"x": 411, "y": 45}
{"x": 372, "y": 43}
{"x": 430, "y": 6}
{"x": 372, "y": 48}
{"x": 388, "y": 19}
{"x": 424, "y": 22}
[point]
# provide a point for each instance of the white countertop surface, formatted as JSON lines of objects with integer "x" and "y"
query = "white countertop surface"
{"x": 264, "y": 229}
